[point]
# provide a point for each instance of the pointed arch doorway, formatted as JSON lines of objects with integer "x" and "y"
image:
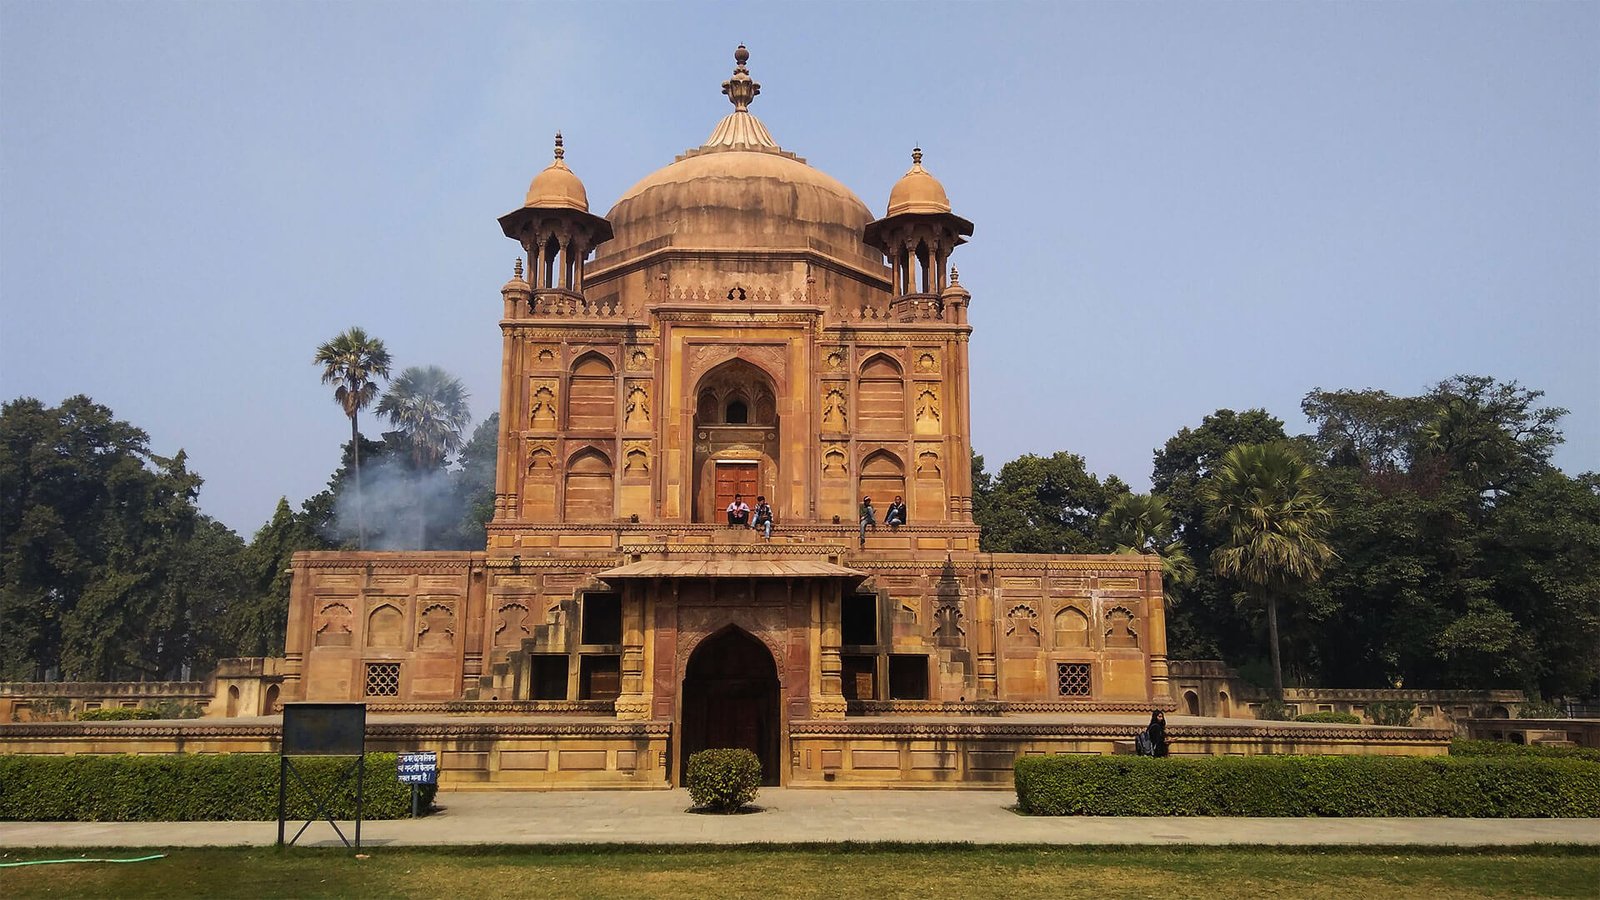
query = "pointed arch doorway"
{"x": 730, "y": 699}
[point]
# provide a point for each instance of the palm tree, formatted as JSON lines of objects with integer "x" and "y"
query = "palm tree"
{"x": 1142, "y": 523}
{"x": 428, "y": 407}
{"x": 353, "y": 361}
{"x": 1260, "y": 497}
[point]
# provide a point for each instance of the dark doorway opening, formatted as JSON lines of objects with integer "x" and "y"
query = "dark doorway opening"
{"x": 730, "y": 699}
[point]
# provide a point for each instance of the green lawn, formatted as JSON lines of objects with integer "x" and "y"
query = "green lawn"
{"x": 830, "y": 872}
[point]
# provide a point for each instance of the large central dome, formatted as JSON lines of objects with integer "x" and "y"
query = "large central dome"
{"x": 739, "y": 190}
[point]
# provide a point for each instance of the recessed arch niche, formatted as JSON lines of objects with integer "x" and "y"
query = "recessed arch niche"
{"x": 736, "y": 431}
{"x": 589, "y": 493}
{"x": 883, "y": 477}
{"x": 881, "y": 407}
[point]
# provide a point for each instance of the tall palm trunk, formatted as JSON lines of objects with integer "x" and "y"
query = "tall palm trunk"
{"x": 1272, "y": 639}
{"x": 361, "y": 500}
{"x": 422, "y": 467}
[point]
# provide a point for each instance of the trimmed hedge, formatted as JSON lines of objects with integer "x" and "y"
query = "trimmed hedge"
{"x": 722, "y": 780}
{"x": 189, "y": 788}
{"x": 1464, "y": 747}
{"x": 1331, "y": 718}
{"x": 1308, "y": 786}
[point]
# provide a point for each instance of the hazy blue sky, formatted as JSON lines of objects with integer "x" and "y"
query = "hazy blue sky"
{"x": 1179, "y": 206}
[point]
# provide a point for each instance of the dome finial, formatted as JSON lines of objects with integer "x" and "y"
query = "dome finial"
{"x": 517, "y": 269}
{"x": 740, "y": 88}
{"x": 916, "y": 156}
{"x": 561, "y": 152}
{"x": 955, "y": 275}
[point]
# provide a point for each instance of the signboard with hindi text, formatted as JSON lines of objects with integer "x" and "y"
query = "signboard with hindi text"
{"x": 419, "y": 767}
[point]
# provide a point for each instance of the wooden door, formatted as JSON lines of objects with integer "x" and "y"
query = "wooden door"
{"x": 735, "y": 478}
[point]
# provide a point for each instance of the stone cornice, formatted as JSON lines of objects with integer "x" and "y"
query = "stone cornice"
{"x": 798, "y": 317}
{"x": 39, "y": 689}
{"x": 1014, "y": 731}
{"x": 604, "y": 270}
{"x": 891, "y": 708}
{"x": 193, "y": 730}
{"x": 497, "y": 708}
{"x": 893, "y": 330}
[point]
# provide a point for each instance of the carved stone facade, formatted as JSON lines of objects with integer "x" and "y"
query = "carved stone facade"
{"x": 745, "y": 326}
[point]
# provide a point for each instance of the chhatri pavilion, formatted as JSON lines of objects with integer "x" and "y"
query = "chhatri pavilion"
{"x": 739, "y": 322}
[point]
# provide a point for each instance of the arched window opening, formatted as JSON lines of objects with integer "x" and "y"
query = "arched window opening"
{"x": 552, "y": 254}
{"x": 738, "y": 412}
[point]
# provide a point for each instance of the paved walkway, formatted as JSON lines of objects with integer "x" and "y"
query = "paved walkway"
{"x": 791, "y": 816}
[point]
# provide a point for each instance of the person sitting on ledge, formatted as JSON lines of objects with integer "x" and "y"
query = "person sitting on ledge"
{"x": 896, "y": 516}
{"x": 738, "y": 512}
{"x": 763, "y": 519}
{"x": 869, "y": 516}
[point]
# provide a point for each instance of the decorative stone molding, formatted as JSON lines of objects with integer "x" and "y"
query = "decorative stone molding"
{"x": 771, "y": 358}
{"x": 197, "y": 729}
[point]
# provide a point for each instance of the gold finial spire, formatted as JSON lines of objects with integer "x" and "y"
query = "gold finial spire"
{"x": 561, "y": 153}
{"x": 740, "y": 88}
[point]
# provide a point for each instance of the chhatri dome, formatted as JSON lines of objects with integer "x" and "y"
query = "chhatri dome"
{"x": 557, "y": 187}
{"x": 918, "y": 191}
{"x": 739, "y": 190}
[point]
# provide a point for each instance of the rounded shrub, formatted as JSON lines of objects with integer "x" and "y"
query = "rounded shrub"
{"x": 722, "y": 780}
{"x": 1330, "y": 718}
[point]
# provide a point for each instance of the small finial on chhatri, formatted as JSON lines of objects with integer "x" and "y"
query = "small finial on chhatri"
{"x": 741, "y": 89}
{"x": 916, "y": 156}
{"x": 560, "y": 151}
{"x": 955, "y": 275}
{"x": 518, "y": 268}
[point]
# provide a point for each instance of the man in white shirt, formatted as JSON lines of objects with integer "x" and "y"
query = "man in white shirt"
{"x": 738, "y": 512}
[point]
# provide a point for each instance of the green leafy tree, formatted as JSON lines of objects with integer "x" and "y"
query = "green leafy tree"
{"x": 107, "y": 569}
{"x": 353, "y": 362}
{"x": 1261, "y": 497}
{"x": 472, "y": 487}
{"x": 1041, "y": 504}
{"x": 1543, "y": 547}
{"x": 1142, "y": 523}
{"x": 258, "y": 625}
{"x": 1464, "y": 555}
{"x": 1490, "y": 435}
{"x": 1206, "y": 623}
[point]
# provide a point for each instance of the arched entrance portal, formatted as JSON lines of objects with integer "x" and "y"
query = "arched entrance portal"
{"x": 730, "y": 699}
{"x": 736, "y": 439}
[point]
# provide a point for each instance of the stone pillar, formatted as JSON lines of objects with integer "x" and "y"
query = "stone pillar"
{"x": 634, "y": 701}
{"x": 1156, "y": 626}
{"x": 988, "y": 667}
{"x": 828, "y": 700}
{"x": 509, "y": 465}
